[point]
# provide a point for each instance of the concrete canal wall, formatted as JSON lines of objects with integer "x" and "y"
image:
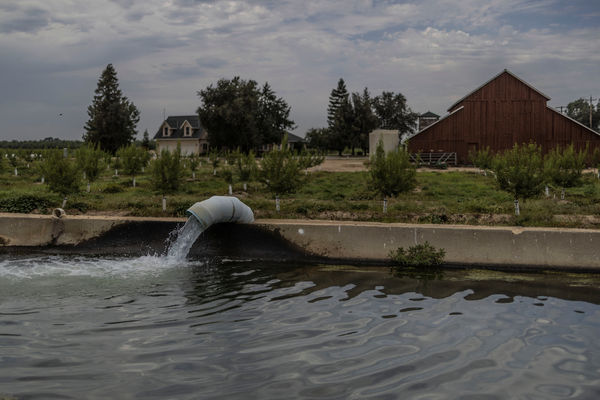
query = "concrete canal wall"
{"x": 333, "y": 240}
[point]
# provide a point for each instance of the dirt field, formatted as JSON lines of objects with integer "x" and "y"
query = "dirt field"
{"x": 353, "y": 164}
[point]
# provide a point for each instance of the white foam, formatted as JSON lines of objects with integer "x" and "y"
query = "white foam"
{"x": 56, "y": 266}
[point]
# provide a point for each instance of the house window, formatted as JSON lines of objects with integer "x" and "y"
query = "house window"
{"x": 187, "y": 131}
{"x": 166, "y": 131}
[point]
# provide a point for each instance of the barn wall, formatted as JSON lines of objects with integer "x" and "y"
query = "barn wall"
{"x": 503, "y": 112}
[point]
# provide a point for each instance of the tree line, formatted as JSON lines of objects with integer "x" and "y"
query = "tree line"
{"x": 351, "y": 117}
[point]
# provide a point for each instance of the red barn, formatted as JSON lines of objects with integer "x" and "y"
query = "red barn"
{"x": 503, "y": 111}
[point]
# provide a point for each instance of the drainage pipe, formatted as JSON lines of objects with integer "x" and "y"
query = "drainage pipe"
{"x": 221, "y": 209}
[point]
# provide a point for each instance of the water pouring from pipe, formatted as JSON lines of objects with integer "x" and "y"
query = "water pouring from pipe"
{"x": 202, "y": 215}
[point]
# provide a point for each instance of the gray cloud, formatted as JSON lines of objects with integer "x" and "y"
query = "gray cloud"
{"x": 433, "y": 51}
{"x": 24, "y": 20}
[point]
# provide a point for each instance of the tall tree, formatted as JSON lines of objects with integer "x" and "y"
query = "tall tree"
{"x": 236, "y": 113}
{"x": 579, "y": 110}
{"x": 113, "y": 118}
{"x": 340, "y": 117}
{"x": 393, "y": 113}
{"x": 273, "y": 116}
{"x": 336, "y": 98}
{"x": 364, "y": 120}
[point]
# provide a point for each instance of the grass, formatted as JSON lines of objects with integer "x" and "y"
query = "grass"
{"x": 440, "y": 197}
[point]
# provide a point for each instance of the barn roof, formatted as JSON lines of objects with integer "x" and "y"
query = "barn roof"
{"x": 495, "y": 77}
{"x": 439, "y": 120}
{"x": 573, "y": 120}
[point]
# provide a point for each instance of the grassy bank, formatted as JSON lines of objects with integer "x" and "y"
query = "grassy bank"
{"x": 440, "y": 197}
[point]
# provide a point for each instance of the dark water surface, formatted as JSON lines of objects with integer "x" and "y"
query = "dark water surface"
{"x": 151, "y": 328}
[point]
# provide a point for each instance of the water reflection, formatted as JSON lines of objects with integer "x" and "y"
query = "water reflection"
{"x": 240, "y": 330}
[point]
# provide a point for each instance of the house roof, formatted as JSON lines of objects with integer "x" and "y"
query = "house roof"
{"x": 503, "y": 72}
{"x": 429, "y": 114}
{"x": 176, "y": 122}
{"x": 294, "y": 138}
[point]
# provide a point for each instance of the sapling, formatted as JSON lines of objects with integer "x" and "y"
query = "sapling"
{"x": 134, "y": 158}
{"x": 391, "y": 173}
{"x": 520, "y": 172}
{"x": 564, "y": 167}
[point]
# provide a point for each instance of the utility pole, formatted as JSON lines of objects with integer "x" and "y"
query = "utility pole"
{"x": 591, "y": 109}
{"x": 561, "y": 108}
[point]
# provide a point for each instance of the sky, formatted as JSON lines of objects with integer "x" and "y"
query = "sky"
{"x": 434, "y": 52}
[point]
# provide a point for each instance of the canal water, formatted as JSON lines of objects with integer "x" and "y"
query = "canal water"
{"x": 165, "y": 328}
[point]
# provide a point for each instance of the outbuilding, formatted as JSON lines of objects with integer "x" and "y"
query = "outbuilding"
{"x": 503, "y": 111}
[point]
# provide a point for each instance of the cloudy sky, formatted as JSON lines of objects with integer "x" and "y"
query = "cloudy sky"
{"x": 52, "y": 53}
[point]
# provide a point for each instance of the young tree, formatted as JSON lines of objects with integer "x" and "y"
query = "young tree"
{"x": 61, "y": 174}
{"x": 280, "y": 169}
{"x": 194, "y": 161}
{"x": 564, "y": 167}
{"x": 245, "y": 165}
{"x": 520, "y": 172}
{"x": 133, "y": 159}
{"x": 482, "y": 159}
{"x": 213, "y": 157}
{"x": 113, "y": 118}
{"x": 393, "y": 113}
{"x": 146, "y": 142}
{"x": 391, "y": 173}
{"x": 236, "y": 113}
{"x": 165, "y": 171}
{"x": 89, "y": 160}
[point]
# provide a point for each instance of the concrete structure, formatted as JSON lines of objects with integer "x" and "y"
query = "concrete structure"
{"x": 389, "y": 137}
{"x": 185, "y": 131}
{"x": 327, "y": 241}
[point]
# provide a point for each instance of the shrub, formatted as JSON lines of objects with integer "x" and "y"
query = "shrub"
{"x": 25, "y": 203}
{"x": 391, "y": 173}
{"x": 166, "y": 171}
{"x": 421, "y": 255}
{"x": 61, "y": 174}
{"x": 113, "y": 188}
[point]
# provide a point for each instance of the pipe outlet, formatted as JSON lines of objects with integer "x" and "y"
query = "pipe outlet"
{"x": 219, "y": 209}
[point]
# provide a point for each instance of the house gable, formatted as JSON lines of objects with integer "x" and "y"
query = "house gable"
{"x": 182, "y": 127}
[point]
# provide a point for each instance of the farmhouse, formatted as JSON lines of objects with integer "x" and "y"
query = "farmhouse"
{"x": 503, "y": 111}
{"x": 184, "y": 130}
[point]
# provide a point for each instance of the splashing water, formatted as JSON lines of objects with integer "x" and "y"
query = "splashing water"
{"x": 186, "y": 236}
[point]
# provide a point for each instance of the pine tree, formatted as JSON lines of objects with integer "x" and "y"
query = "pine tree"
{"x": 113, "y": 118}
{"x": 336, "y": 98}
